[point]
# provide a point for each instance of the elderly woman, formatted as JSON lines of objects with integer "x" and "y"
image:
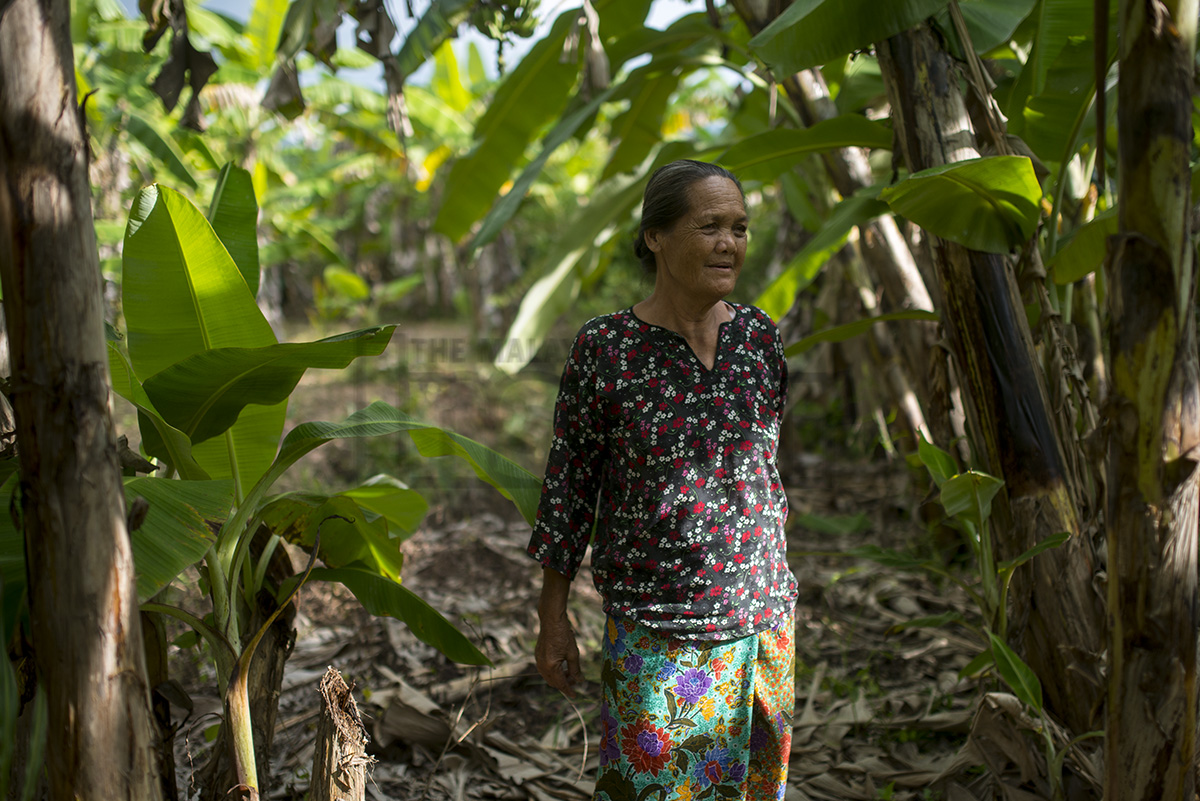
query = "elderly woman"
{"x": 666, "y": 428}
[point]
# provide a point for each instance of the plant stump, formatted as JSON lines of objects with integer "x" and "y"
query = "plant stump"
{"x": 340, "y": 763}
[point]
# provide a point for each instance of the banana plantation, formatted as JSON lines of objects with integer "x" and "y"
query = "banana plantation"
{"x": 288, "y": 286}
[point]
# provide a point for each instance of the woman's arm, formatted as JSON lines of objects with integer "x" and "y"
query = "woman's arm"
{"x": 557, "y": 654}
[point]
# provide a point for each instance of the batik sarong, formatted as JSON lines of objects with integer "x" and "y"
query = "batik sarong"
{"x": 690, "y": 720}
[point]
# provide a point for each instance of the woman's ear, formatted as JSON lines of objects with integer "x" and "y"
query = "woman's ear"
{"x": 653, "y": 237}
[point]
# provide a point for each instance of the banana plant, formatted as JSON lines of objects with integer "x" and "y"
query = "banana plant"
{"x": 211, "y": 385}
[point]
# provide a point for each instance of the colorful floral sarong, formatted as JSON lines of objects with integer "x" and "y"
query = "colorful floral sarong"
{"x": 693, "y": 720}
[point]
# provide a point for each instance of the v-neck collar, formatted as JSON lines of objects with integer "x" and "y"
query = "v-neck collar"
{"x": 733, "y": 311}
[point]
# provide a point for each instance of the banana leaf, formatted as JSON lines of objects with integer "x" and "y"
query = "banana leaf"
{"x": 1086, "y": 250}
{"x": 638, "y": 128}
{"x": 990, "y": 23}
{"x": 1016, "y": 674}
{"x": 511, "y": 480}
{"x": 380, "y": 595}
{"x": 263, "y": 32}
{"x": 764, "y": 156}
{"x": 159, "y": 440}
{"x": 183, "y": 294}
{"x": 203, "y": 394}
{"x": 812, "y": 32}
{"x": 507, "y": 206}
{"x": 347, "y": 535}
{"x": 160, "y": 144}
{"x": 388, "y": 497}
{"x": 178, "y": 530}
{"x": 532, "y": 95}
{"x": 447, "y": 82}
{"x": 778, "y": 298}
{"x": 988, "y": 204}
{"x": 180, "y": 526}
{"x": 234, "y": 218}
{"x": 437, "y": 26}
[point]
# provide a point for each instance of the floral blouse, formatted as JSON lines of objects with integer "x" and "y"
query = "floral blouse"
{"x": 689, "y": 538}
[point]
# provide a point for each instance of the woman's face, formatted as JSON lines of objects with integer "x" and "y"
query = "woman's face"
{"x": 701, "y": 255}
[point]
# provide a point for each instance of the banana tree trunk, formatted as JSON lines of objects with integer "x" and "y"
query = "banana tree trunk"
{"x": 1152, "y": 477}
{"x": 912, "y": 375}
{"x": 83, "y": 601}
{"x": 1057, "y": 620}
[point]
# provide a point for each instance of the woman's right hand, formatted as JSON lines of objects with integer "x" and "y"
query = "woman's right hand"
{"x": 556, "y": 652}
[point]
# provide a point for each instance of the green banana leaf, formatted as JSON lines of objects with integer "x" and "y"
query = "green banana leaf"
{"x": 969, "y": 495}
{"x": 159, "y": 440}
{"x": 389, "y": 497}
{"x": 507, "y": 206}
{"x": 855, "y": 82}
{"x": 345, "y": 283}
{"x": 263, "y": 31}
{"x": 347, "y": 535}
{"x": 794, "y": 186}
{"x": 812, "y": 32}
{"x": 234, "y": 218}
{"x": 988, "y": 204}
{"x": 330, "y": 92}
{"x": 553, "y": 293}
{"x": 437, "y": 25}
{"x": 690, "y": 35}
{"x": 638, "y": 129}
{"x": 1049, "y": 104}
{"x": 990, "y": 23}
{"x": 778, "y": 298}
{"x": 428, "y": 112}
{"x": 568, "y": 127}
{"x": 178, "y": 530}
{"x": 447, "y": 82}
{"x": 1059, "y": 22}
{"x": 511, "y": 480}
{"x": 764, "y": 156}
{"x": 840, "y": 333}
{"x": 561, "y": 277}
{"x": 532, "y": 95}
{"x": 618, "y": 18}
{"x": 180, "y": 526}
{"x": 382, "y": 596}
{"x": 203, "y": 394}
{"x": 941, "y": 465}
{"x": 1055, "y": 122}
{"x": 183, "y": 294}
{"x": 1086, "y": 250}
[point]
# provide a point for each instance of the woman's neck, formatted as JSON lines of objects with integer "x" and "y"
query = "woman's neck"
{"x": 692, "y": 320}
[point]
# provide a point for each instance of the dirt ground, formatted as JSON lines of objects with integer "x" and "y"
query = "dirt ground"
{"x": 881, "y": 710}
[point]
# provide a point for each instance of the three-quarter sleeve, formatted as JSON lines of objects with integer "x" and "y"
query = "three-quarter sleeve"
{"x": 574, "y": 467}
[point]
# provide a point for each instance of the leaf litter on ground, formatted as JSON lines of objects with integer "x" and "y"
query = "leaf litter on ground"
{"x": 881, "y": 711}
